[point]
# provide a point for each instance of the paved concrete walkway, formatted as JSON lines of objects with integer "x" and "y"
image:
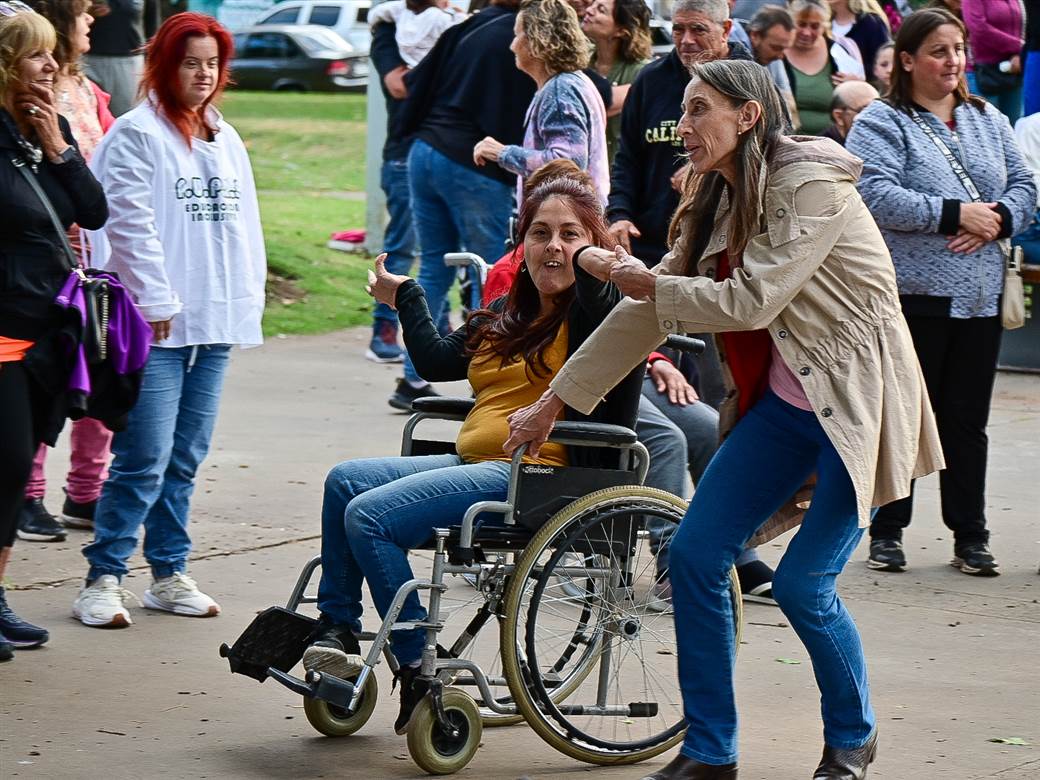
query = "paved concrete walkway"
{"x": 953, "y": 659}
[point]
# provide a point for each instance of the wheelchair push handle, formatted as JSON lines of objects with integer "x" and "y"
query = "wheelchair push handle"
{"x": 686, "y": 344}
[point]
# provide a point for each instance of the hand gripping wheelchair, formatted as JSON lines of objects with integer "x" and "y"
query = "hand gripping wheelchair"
{"x": 575, "y": 649}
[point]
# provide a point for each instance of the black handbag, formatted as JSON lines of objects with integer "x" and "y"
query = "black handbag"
{"x": 991, "y": 80}
{"x": 95, "y": 287}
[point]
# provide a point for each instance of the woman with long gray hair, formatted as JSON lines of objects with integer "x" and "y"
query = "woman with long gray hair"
{"x": 775, "y": 252}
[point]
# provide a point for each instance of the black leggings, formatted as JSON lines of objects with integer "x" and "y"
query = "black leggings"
{"x": 17, "y": 445}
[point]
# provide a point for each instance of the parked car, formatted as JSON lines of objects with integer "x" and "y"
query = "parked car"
{"x": 661, "y": 37}
{"x": 349, "y": 18}
{"x": 297, "y": 57}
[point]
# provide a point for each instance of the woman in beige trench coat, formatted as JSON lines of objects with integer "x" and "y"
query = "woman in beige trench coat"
{"x": 778, "y": 255}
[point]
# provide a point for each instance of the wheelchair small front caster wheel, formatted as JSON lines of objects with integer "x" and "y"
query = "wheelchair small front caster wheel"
{"x": 334, "y": 721}
{"x": 435, "y": 751}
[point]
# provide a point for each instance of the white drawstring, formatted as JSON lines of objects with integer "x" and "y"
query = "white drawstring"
{"x": 191, "y": 359}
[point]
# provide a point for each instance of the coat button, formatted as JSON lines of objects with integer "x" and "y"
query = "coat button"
{"x": 805, "y": 370}
{"x": 710, "y": 273}
{"x": 826, "y": 412}
{"x": 667, "y": 323}
{"x": 780, "y": 212}
{"x": 782, "y": 333}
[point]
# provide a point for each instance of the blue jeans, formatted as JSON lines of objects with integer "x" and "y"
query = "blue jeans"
{"x": 1031, "y": 84}
{"x": 764, "y": 460}
{"x": 680, "y": 440}
{"x": 376, "y": 510}
{"x": 399, "y": 239}
{"x": 155, "y": 459}
{"x": 1008, "y": 102}
{"x": 454, "y": 209}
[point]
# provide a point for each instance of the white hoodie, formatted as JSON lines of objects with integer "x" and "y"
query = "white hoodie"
{"x": 183, "y": 231}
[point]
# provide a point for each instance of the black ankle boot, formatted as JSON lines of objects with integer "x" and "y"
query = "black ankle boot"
{"x": 846, "y": 763}
{"x": 683, "y": 768}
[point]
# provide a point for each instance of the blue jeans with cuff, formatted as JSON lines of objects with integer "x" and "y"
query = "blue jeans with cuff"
{"x": 377, "y": 509}
{"x": 454, "y": 209}
{"x": 765, "y": 459}
{"x": 154, "y": 462}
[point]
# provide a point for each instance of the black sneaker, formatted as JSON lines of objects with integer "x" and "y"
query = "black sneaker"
{"x": 756, "y": 583}
{"x": 413, "y": 689}
{"x": 975, "y": 559}
{"x": 404, "y": 394}
{"x": 77, "y": 515}
{"x": 338, "y": 638}
{"x": 16, "y": 631}
{"x": 886, "y": 555}
{"x": 36, "y": 524}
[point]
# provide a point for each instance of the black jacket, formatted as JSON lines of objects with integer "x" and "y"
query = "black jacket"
{"x": 445, "y": 359}
{"x": 33, "y": 263}
{"x": 649, "y": 153}
{"x": 468, "y": 87}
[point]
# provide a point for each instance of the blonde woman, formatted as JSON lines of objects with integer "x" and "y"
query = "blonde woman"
{"x": 566, "y": 118}
{"x": 864, "y": 22}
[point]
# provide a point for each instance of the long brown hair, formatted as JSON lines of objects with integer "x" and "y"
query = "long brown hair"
{"x": 739, "y": 82}
{"x": 915, "y": 28}
{"x": 520, "y": 328}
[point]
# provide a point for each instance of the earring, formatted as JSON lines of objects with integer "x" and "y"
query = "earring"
{"x": 523, "y": 268}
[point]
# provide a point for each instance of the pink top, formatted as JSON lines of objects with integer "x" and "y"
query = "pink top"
{"x": 785, "y": 384}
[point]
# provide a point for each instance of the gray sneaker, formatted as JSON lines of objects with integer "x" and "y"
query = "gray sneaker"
{"x": 886, "y": 555}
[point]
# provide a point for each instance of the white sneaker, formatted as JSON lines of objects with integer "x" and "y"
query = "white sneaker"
{"x": 180, "y": 595}
{"x": 660, "y": 597}
{"x": 332, "y": 661}
{"x": 102, "y": 603}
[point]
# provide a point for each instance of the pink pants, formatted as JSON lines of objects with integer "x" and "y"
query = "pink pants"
{"x": 88, "y": 468}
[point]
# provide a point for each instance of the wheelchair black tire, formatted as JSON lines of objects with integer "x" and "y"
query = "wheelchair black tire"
{"x": 544, "y": 717}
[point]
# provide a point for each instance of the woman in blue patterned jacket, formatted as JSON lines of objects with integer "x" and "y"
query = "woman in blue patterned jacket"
{"x": 949, "y": 263}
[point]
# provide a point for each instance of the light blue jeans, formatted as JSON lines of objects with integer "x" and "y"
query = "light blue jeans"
{"x": 155, "y": 459}
{"x": 454, "y": 209}
{"x": 377, "y": 509}
{"x": 399, "y": 239}
{"x": 764, "y": 460}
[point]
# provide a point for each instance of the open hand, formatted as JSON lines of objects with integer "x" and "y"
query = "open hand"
{"x": 668, "y": 379}
{"x": 965, "y": 242}
{"x": 382, "y": 285}
{"x": 623, "y": 231}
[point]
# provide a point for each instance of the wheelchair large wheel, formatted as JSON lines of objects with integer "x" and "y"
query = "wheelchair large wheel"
{"x": 432, "y": 749}
{"x": 631, "y": 709}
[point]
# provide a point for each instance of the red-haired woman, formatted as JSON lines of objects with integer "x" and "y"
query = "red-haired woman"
{"x": 184, "y": 236}
{"x": 376, "y": 509}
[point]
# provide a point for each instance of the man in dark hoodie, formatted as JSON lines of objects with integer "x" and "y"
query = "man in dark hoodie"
{"x": 643, "y": 195}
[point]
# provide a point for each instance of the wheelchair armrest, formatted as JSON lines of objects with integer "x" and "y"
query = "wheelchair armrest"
{"x": 686, "y": 344}
{"x": 592, "y": 433}
{"x": 455, "y": 407}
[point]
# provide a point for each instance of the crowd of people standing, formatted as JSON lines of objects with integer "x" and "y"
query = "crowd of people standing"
{"x": 850, "y": 297}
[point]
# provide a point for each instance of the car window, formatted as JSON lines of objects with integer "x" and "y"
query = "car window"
{"x": 362, "y": 14}
{"x": 659, "y": 36}
{"x": 325, "y": 15}
{"x": 282, "y": 16}
{"x": 268, "y": 46}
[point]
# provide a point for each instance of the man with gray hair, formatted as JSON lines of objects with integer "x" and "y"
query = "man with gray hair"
{"x": 643, "y": 196}
{"x": 849, "y": 98}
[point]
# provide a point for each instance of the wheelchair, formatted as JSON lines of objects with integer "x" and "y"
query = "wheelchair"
{"x": 562, "y": 633}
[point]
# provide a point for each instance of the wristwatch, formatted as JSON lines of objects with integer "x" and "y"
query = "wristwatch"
{"x": 68, "y": 155}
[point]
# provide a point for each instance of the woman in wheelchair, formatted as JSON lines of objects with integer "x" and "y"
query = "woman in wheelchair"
{"x": 375, "y": 510}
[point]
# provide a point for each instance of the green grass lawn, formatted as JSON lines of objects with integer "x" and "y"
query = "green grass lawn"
{"x": 308, "y": 155}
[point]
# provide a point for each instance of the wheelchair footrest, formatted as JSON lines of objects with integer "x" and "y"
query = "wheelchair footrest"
{"x": 318, "y": 685}
{"x": 275, "y": 639}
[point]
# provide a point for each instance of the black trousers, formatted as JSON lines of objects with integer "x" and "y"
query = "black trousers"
{"x": 17, "y": 445}
{"x": 959, "y": 361}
